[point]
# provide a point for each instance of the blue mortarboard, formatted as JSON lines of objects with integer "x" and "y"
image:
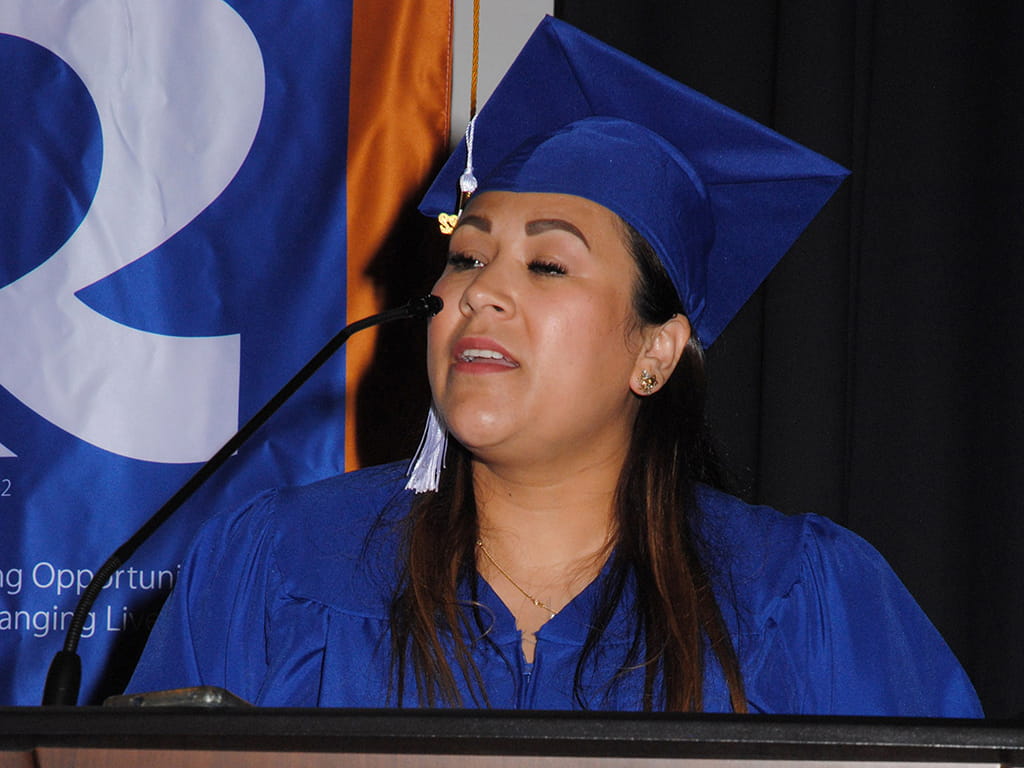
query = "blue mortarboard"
{"x": 718, "y": 196}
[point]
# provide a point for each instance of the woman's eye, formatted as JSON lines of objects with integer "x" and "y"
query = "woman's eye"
{"x": 460, "y": 261}
{"x": 547, "y": 268}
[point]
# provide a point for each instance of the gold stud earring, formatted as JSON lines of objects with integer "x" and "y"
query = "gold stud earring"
{"x": 648, "y": 381}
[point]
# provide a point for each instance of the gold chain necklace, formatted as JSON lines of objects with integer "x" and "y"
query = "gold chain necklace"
{"x": 503, "y": 572}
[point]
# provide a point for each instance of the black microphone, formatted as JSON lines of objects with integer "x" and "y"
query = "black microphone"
{"x": 64, "y": 678}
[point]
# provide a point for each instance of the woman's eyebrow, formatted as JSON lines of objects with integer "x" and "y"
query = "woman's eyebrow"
{"x": 478, "y": 222}
{"x": 538, "y": 226}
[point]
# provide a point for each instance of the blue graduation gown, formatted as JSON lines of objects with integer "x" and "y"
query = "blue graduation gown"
{"x": 285, "y": 603}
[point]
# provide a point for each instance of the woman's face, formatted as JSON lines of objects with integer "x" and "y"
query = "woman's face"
{"x": 531, "y": 359}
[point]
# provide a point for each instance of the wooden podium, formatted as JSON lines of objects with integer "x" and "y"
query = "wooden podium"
{"x": 87, "y": 736}
{"x": 160, "y": 738}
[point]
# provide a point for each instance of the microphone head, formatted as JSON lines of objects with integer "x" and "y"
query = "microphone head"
{"x": 426, "y": 306}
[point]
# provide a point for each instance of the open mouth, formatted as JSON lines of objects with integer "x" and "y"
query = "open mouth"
{"x": 490, "y": 355}
{"x": 473, "y": 355}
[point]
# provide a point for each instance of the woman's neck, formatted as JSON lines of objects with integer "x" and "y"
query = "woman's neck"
{"x": 543, "y": 521}
{"x": 543, "y": 539}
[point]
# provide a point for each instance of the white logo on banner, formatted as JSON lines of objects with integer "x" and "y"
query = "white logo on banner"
{"x": 179, "y": 88}
{"x": 7, "y": 453}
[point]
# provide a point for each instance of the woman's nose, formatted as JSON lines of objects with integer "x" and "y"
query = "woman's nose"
{"x": 489, "y": 290}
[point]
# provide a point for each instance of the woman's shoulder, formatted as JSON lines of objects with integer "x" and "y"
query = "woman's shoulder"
{"x": 328, "y": 512}
{"x": 764, "y": 552}
{"x": 821, "y": 622}
{"x": 326, "y": 542}
{"x": 767, "y": 565}
{"x": 353, "y": 499}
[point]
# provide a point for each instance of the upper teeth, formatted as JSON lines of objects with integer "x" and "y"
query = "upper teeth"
{"x": 488, "y": 353}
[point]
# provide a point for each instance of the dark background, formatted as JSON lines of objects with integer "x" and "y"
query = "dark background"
{"x": 875, "y": 377}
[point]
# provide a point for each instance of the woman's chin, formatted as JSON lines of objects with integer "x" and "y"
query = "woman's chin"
{"x": 480, "y": 424}
{"x": 479, "y": 443}
{"x": 486, "y": 442}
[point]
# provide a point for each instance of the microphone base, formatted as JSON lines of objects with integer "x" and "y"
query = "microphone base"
{"x": 63, "y": 681}
{"x": 203, "y": 696}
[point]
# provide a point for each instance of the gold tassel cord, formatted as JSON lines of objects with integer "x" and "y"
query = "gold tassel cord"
{"x": 447, "y": 221}
{"x": 475, "y": 70}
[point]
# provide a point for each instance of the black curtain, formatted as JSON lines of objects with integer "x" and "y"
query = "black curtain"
{"x": 875, "y": 377}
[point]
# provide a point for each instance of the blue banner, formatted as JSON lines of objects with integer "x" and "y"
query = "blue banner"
{"x": 172, "y": 250}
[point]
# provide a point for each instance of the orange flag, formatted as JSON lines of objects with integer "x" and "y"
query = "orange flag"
{"x": 398, "y": 134}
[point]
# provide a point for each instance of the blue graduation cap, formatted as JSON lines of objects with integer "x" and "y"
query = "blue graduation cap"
{"x": 718, "y": 196}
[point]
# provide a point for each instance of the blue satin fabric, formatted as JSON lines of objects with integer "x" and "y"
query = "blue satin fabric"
{"x": 285, "y": 604}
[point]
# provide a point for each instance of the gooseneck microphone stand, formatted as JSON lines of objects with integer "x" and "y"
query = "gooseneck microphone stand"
{"x": 65, "y": 675}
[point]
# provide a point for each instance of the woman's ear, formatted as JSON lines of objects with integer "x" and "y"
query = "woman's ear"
{"x": 662, "y": 347}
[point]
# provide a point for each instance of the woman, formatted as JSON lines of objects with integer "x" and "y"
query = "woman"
{"x": 572, "y": 553}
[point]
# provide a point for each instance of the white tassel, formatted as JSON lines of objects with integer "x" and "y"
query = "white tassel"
{"x": 467, "y": 181}
{"x": 425, "y": 468}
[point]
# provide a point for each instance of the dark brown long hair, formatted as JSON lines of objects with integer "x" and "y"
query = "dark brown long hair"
{"x": 676, "y": 615}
